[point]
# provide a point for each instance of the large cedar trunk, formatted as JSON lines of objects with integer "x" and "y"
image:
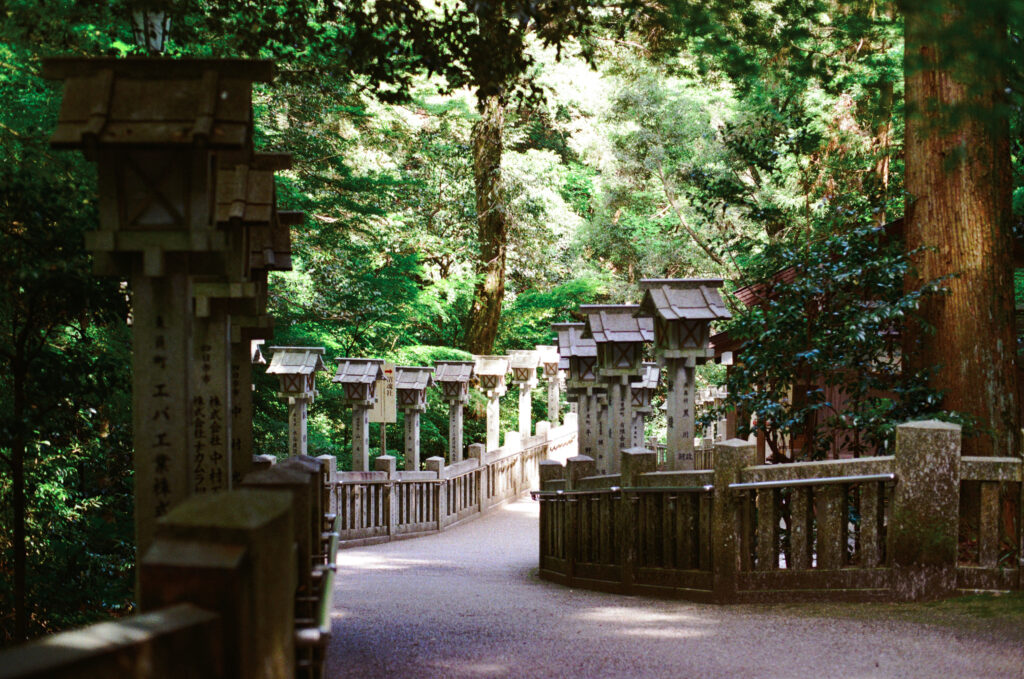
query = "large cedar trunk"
{"x": 959, "y": 204}
{"x": 492, "y": 227}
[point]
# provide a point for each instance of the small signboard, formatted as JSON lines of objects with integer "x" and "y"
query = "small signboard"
{"x": 384, "y": 409}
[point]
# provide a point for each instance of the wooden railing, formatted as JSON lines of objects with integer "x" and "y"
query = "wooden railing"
{"x": 865, "y": 529}
{"x": 386, "y": 503}
{"x": 236, "y": 584}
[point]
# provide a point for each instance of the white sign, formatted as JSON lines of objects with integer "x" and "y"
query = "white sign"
{"x": 384, "y": 409}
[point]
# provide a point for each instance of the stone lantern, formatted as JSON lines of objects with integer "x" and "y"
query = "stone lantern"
{"x": 549, "y": 363}
{"x": 411, "y": 384}
{"x": 641, "y": 392}
{"x": 620, "y": 336}
{"x": 524, "y": 364}
{"x": 454, "y": 378}
{"x": 683, "y": 310}
{"x": 358, "y": 378}
{"x": 154, "y": 128}
{"x": 490, "y": 374}
{"x": 296, "y": 368}
{"x": 583, "y": 385}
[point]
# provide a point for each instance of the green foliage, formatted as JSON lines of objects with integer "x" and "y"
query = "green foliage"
{"x": 822, "y": 364}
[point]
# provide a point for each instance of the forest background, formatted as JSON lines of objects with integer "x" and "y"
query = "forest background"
{"x": 581, "y": 150}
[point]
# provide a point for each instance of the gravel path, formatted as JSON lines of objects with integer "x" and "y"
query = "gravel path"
{"x": 466, "y": 603}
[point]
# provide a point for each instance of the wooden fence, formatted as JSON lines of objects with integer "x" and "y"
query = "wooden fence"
{"x": 387, "y": 504}
{"x": 921, "y": 524}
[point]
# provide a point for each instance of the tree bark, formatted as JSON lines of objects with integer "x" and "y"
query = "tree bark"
{"x": 958, "y": 178}
{"x": 18, "y": 502}
{"x": 492, "y": 227}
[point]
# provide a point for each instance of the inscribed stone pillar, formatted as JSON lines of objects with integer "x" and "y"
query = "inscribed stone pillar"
{"x": 360, "y": 438}
{"x": 241, "y": 409}
{"x": 680, "y": 415}
{"x": 619, "y": 421}
{"x": 161, "y": 417}
{"x": 455, "y": 429}
{"x": 211, "y": 403}
{"x": 298, "y": 413}
{"x": 412, "y": 439}
{"x": 553, "y": 402}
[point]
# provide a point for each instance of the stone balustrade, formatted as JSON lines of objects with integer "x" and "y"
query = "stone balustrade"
{"x": 881, "y": 528}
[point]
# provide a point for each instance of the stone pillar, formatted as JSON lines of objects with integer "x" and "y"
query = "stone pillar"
{"x": 211, "y": 402}
{"x": 477, "y": 451}
{"x": 602, "y": 432}
{"x": 493, "y": 420}
{"x": 926, "y": 509}
{"x": 436, "y": 465}
{"x": 730, "y": 458}
{"x": 329, "y": 465}
{"x": 455, "y": 430}
{"x": 360, "y": 438}
{"x": 553, "y": 402}
{"x": 578, "y": 467}
{"x": 634, "y": 461}
{"x": 586, "y": 425}
{"x": 636, "y": 432}
{"x": 412, "y": 439}
{"x": 619, "y": 420}
{"x": 161, "y": 414}
{"x": 680, "y": 415}
{"x": 550, "y": 470}
{"x": 389, "y": 465}
{"x": 241, "y": 409}
{"x": 525, "y": 408}
{"x": 240, "y": 564}
{"x": 298, "y": 413}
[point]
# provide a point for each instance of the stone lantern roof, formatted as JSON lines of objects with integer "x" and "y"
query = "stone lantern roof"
{"x": 617, "y": 323}
{"x": 411, "y": 377}
{"x": 454, "y": 371}
{"x": 650, "y": 373}
{"x": 296, "y": 361}
{"x": 572, "y": 343}
{"x": 683, "y": 299}
{"x": 492, "y": 365}
{"x": 245, "y": 190}
{"x": 156, "y": 102}
{"x": 358, "y": 370}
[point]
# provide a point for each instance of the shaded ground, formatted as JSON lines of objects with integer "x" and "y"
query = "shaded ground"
{"x": 467, "y": 603}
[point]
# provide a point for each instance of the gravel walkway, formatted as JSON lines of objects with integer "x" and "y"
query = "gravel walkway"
{"x": 466, "y": 603}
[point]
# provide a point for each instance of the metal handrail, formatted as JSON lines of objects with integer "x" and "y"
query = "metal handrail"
{"x": 825, "y": 481}
{"x": 538, "y": 494}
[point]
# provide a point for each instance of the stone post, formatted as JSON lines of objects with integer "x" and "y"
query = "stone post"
{"x": 553, "y": 402}
{"x": 619, "y": 420}
{"x": 454, "y": 378}
{"x": 524, "y": 364}
{"x": 360, "y": 438}
{"x": 211, "y": 401}
{"x": 231, "y": 553}
{"x": 730, "y": 458}
{"x": 412, "y": 439}
{"x": 243, "y": 357}
{"x": 635, "y": 461}
{"x": 926, "y": 510}
{"x": 477, "y": 451}
{"x": 491, "y": 371}
{"x": 455, "y": 430}
{"x": 525, "y": 408}
{"x": 389, "y": 465}
{"x": 578, "y": 467}
{"x": 436, "y": 465}
{"x": 550, "y": 470}
{"x": 298, "y": 416}
{"x": 680, "y": 413}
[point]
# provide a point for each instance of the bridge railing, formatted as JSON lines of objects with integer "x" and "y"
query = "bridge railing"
{"x": 867, "y": 529}
{"x": 387, "y": 503}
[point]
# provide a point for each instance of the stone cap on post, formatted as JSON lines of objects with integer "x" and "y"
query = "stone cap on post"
{"x": 683, "y": 309}
{"x": 411, "y": 384}
{"x": 386, "y": 463}
{"x": 619, "y": 334}
{"x": 490, "y": 372}
{"x": 296, "y": 367}
{"x": 455, "y": 378}
{"x": 549, "y": 470}
{"x": 358, "y": 377}
{"x": 524, "y": 364}
{"x": 578, "y": 467}
{"x": 637, "y": 461}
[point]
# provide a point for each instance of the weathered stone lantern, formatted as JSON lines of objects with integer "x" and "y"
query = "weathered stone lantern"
{"x": 154, "y": 128}
{"x": 524, "y": 364}
{"x": 454, "y": 378}
{"x": 620, "y": 336}
{"x": 549, "y": 363}
{"x": 683, "y": 310}
{"x": 641, "y": 392}
{"x": 296, "y": 368}
{"x": 490, "y": 374}
{"x": 411, "y": 384}
{"x": 583, "y": 385}
{"x": 358, "y": 378}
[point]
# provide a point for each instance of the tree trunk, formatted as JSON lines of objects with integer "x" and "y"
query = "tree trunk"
{"x": 957, "y": 175}
{"x": 492, "y": 227}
